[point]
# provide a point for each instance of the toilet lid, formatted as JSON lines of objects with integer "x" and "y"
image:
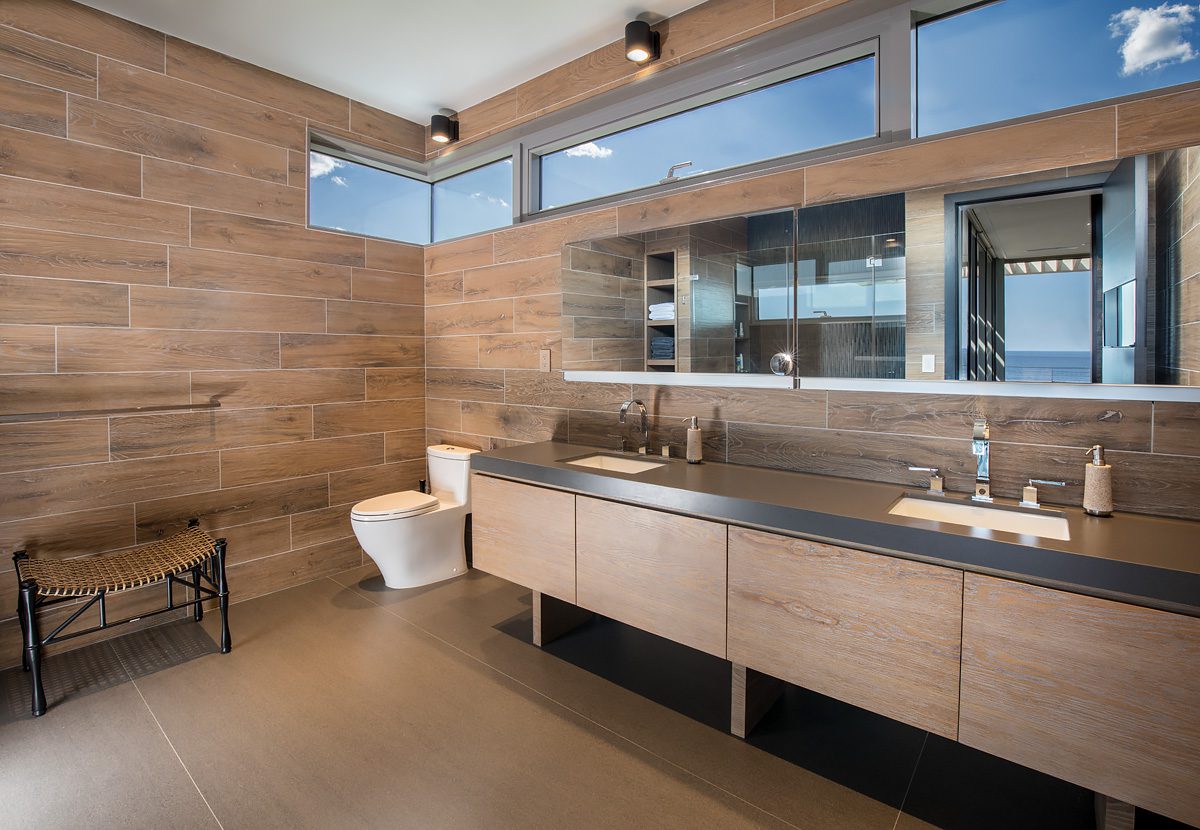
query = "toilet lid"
{"x": 395, "y": 505}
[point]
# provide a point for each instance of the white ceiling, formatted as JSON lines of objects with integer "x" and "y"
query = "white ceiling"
{"x": 1045, "y": 228}
{"x": 406, "y": 57}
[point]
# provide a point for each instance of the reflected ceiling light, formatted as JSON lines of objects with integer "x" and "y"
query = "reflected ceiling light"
{"x": 641, "y": 42}
{"x": 442, "y": 128}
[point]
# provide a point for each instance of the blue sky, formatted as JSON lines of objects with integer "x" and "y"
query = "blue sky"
{"x": 1018, "y": 57}
{"x": 825, "y": 108}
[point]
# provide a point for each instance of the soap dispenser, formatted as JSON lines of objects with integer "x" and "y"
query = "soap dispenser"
{"x": 1097, "y": 484}
{"x": 695, "y": 444}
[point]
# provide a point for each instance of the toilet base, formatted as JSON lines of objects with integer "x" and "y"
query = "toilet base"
{"x": 417, "y": 551}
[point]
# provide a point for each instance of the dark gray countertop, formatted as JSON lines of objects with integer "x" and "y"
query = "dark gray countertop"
{"x": 1145, "y": 560}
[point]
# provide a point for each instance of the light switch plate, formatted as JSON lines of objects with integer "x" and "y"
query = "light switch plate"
{"x": 927, "y": 363}
{"x": 544, "y": 360}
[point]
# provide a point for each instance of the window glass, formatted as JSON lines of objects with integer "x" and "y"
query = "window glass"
{"x": 828, "y": 107}
{"x": 1019, "y": 57}
{"x": 477, "y": 200}
{"x": 351, "y": 197}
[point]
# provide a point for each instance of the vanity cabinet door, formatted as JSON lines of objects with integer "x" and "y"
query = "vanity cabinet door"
{"x": 524, "y": 534}
{"x": 876, "y": 631}
{"x": 656, "y": 571}
{"x": 1100, "y": 693}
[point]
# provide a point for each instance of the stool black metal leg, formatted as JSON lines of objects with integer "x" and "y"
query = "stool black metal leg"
{"x": 33, "y": 643}
{"x": 223, "y": 595}
{"x": 198, "y": 608}
{"x": 17, "y": 557}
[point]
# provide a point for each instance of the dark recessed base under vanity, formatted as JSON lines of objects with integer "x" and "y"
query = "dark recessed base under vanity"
{"x": 1049, "y": 666}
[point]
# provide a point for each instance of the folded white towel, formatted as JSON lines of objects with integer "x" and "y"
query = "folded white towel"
{"x": 662, "y": 307}
{"x": 670, "y": 316}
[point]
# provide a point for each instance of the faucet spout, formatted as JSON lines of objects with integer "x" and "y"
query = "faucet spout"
{"x": 641, "y": 407}
{"x": 981, "y": 448}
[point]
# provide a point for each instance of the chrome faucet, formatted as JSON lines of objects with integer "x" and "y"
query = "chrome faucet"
{"x": 937, "y": 484}
{"x": 981, "y": 449}
{"x": 625, "y": 407}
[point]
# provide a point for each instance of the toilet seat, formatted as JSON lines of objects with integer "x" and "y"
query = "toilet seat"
{"x": 394, "y": 506}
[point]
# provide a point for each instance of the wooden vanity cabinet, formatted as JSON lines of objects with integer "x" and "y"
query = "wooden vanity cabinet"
{"x": 656, "y": 571}
{"x": 524, "y": 534}
{"x": 876, "y": 631}
{"x": 1100, "y": 693}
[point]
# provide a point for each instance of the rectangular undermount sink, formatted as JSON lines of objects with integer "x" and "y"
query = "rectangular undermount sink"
{"x": 1048, "y": 524}
{"x": 616, "y": 463}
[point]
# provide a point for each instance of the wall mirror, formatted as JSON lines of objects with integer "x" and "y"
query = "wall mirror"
{"x": 1058, "y": 279}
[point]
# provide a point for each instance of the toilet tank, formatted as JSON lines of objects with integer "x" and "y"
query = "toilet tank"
{"x": 450, "y": 473}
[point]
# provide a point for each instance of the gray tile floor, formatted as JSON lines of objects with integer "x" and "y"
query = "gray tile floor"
{"x": 347, "y": 705}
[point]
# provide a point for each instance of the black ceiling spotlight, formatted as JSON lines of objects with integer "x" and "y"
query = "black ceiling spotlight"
{"x": 641, "y": 42}
{"x": 442, "y": 128}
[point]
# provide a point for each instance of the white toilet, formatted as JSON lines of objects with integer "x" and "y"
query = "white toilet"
{"x": 417, "y": 538}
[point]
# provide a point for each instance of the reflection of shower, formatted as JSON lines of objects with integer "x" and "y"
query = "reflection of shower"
{"x": 821, "y": 312}
{"x": 671, "y": 177}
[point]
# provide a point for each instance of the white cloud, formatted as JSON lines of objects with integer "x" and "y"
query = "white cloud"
{"x": 1154, "y": 37}
{"x": 340, "y": 181}
{"x": 320, "y": 165}
{"x": 491, "y": 200}
{"x": 591, "y": 150}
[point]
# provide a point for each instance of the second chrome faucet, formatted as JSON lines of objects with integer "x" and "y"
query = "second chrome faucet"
{"x": 981, "y": 448}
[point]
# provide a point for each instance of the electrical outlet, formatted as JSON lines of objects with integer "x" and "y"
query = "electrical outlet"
{"x": 927, "y": 363}
{"x": 544, "y": 360}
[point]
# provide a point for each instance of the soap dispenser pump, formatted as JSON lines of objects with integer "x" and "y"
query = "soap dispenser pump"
{"x": 695, "y": 444}
{"x": 1097, "y": 484}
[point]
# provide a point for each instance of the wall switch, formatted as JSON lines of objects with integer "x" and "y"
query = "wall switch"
{"x": 927, "y": 363}
{"x": 544, "y": 360}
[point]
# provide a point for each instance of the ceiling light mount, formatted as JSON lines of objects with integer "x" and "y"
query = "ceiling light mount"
{"x": 641, "y": 42}
{"x": 443, "y": 127}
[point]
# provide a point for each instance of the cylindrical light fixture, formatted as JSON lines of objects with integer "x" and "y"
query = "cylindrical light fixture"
{"x": 443, "y": 129}
{"x": 641, "y": 42}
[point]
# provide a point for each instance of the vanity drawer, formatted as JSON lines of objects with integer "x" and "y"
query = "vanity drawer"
{"x": 875, "y": 631}
{"x": 524, "y": 534}
{"x": 656, "y": 571}
{"x": 1100, "y": 693}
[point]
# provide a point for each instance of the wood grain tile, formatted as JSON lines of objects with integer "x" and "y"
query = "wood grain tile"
{"x": 253, "y": 465}
{"x": 72, "y": 393}
{"x": 1163, "y": 122}
{"x": 185, "y": 308}
{"x": 485, "y": 317}
{"x": 86, "y": 28}
{"x": 466, "y": 384}
{"x": 49, "y": 158}
{"x": 1177, "y": 428}
{"x": 348, "y": 317}
{"x": 220, "y": 270}
{"x": 34, "y": 253}
{"x": 488, "y": 115}
{"x": 282, "y": 387}
{"x": 540, "y": 313}
{"x": 110, "y": 125}
{"x": 472, "y": 252}
{"x": 443, "y": 415}
{"x": 712, "y": 22}
{"x": 63, "y": 302}
{"x": 516, "y": 351}
{"x": 390, "y": 384}
{"x": 31, "y": 204}
{"x": 578, "y": 77}
{"x": 64, "y": 535}
{"x": 254, "y": 541}
{"x": 214, "y": 70}
{"x": 547, "y": 238}
{"x": 405, "y": 445}
{"x": 162, "y": 95}
{"x": 173, "y": 433}
{"x": 523, "y": 423}
{"x": 513, "y": 279}
{"x": 804, "y": 8}
{"x": 26, "y": 349}
{"x": 273, "y": 573}
{"x": 780, "y": 190}
{"x": 87, "y": 486}
{"x": 338, "y": 419}
{"x": 387, "y": 286}
{"x": 32, "y": 107}
{"x": 791, "y": 407}
{"x": 1079, "y": 138}
{"x": 444, "y": 288}
{"x": 41, "y": 444}
{"x": 248, "y": 235}
{"x": 549, "y": 389}
{"x": 384, "y": 126}
{"x": 452, "y": 351}
{"x": 168, "y": 181}
{"x": 302, "y": 351}
{"x": 47, "y": 63}
{"x": 106, "y": 350}
{"x": 158, "y": 518}
{"x": 382, "y": 255}
{"x": 317, "y": 526}
{"x": 371, "y": 143}
{"x": 297, "y": 170}
{"x": 348, "y": 486}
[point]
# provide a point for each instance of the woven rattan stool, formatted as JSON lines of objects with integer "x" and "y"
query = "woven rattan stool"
{"x": 46, "y": 582}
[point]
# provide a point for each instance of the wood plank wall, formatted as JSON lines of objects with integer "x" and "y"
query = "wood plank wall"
{"x": 153, "y": 251}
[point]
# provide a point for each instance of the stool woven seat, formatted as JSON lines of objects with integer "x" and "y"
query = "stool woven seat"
{"x": 121, "y": 571}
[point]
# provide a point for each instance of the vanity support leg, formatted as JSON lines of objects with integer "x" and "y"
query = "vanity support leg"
{"x": 1112, "y": 814}
{"x": 753, "y": 693}
{"x": 553, "y": 618}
